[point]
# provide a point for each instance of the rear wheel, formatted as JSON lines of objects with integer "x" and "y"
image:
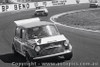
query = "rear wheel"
{"x": 14, "y": 50}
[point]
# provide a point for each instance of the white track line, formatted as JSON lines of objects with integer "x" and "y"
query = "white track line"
{"x": 52, "y": 18}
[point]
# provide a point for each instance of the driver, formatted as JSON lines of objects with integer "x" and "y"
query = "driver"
{"x": 34, "y": 32}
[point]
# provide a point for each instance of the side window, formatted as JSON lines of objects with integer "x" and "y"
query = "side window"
{"x": 17, "y": 32}
{"x": 21, "y": 33}
{"x": 24, "y": 34}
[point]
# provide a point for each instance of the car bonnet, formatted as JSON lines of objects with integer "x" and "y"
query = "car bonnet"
{"x": 51, "y": 39}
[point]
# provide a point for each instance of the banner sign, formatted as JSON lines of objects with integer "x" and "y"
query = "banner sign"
{"x": 5, "y": 8}
{"x": 21, "y": 6}
{"x": 45, "y": 3}
{"x": 35, "y": 4}
{"x": 84, "y": 1}
{"x": 13, "y": 7}
{"x": 59, "y": 2}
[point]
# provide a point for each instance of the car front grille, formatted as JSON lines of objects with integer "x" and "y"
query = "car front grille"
{"x": 51, "y": 50}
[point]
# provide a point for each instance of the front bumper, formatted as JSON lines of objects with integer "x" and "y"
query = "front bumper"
{"x": 39, "y": 14}
{"x": 57, "y": 54}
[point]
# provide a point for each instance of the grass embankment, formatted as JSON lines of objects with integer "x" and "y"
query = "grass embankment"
{"x": 87, "y": 20}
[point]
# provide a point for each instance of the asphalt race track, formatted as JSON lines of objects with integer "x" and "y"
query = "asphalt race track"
{"x": 86, "y": 45}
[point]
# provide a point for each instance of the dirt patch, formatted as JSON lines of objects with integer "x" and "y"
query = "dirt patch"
{"x": 86, "y": 19}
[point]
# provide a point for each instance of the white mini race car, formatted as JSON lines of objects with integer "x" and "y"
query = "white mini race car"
{"x": 41, "y": 11}
{"x": 35, "y": 39}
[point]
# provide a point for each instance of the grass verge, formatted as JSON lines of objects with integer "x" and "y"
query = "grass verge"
{"x": 87, "y": 19}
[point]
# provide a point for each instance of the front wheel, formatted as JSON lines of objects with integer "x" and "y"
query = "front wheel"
{"x": 68, "y": 56}
{"x": 28, "y": 59}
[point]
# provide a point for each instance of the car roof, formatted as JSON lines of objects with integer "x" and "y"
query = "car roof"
{"x": 41, "y": 6}
{"x": 32, "y": 22}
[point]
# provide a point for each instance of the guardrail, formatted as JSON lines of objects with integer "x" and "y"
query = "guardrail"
{"x": 23, "y": 6}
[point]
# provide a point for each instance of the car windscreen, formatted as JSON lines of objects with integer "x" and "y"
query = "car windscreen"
{"x": 39, "y": 11}
{"x": 42, "y": 31}
{"x": 41, "y": 7}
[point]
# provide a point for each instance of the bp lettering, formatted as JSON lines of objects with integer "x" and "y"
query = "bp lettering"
{"x": 5, "y": 8}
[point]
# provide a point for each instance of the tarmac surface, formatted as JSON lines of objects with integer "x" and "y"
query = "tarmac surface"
{"x": 86, "y": 45}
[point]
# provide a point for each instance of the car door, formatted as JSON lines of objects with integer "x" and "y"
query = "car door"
{"x": 18, "y": 39}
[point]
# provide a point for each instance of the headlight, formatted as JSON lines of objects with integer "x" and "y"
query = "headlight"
{"x": 37, "y": 48}
{"x": 66, "y": 43}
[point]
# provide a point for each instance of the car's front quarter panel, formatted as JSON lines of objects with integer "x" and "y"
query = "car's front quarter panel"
{"x": 29, "y": 48}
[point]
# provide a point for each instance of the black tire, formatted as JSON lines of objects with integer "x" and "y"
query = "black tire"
{"x": 68, "y": 56}
{"x": 14, "y": 50}
{"x": 28, "y": 59}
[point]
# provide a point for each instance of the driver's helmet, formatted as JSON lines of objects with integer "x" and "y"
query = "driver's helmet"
{"x": 34, "y": 32}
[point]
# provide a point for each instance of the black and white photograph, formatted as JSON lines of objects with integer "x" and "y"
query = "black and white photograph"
{"x": 49, "y": 33}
